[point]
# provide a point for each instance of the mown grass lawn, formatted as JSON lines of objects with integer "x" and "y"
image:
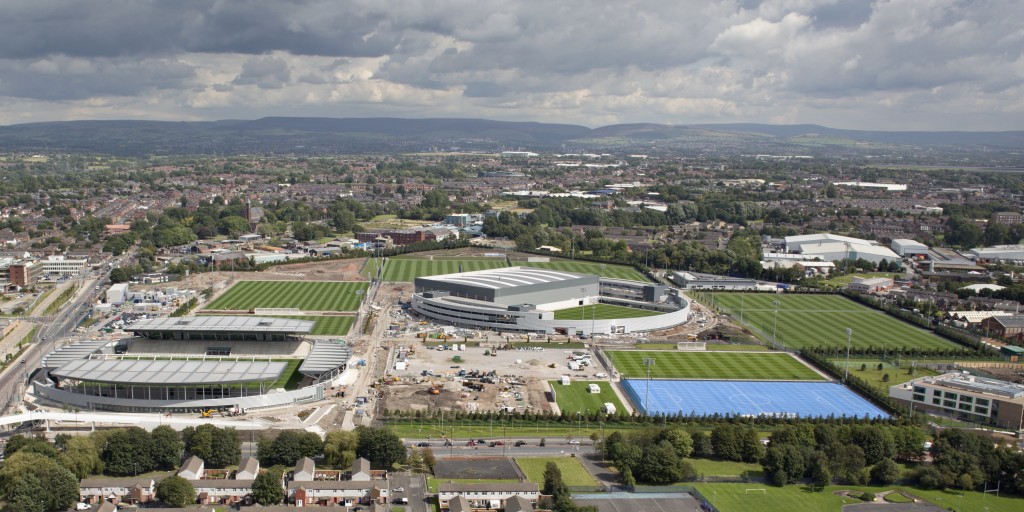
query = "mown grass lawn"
{"x": 821, "y": 320}
{"x": 713, "y": 365}
{"x": 573, "y": 473}
{"x": 876, "y": 377}
{"x": 408, "y": 269}
{"x": 709, "y": 467}
{"x": 306, "y": 296}
{"x": 575, "y": 397}
{"x": 602, "y": 312}
{"x": 736, "y": 498}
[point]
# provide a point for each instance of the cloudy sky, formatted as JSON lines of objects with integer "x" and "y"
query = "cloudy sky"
{"x": 884, "y": 64}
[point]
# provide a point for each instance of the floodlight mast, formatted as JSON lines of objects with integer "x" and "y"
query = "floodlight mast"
{"x": 648, "y": 362}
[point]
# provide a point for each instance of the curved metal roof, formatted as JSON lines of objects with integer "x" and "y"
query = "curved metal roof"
{"x": 65, "y": 355}
{"x": 325, "y": 356}
{"x": 170, "y": 371}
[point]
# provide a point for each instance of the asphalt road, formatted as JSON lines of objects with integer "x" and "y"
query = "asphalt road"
{"x": 414, "y": 488}
{"x": 15, "y": 377}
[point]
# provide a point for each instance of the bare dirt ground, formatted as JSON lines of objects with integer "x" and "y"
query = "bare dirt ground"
{"x": 519, "y": 377}
{"x": 337, "y": 270}
{"x": 1008, "y": 374}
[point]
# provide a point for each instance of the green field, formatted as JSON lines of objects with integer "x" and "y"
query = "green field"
{"x": 573, "y": 473}
{"x": 709, "y": 467}
{"x": 713, "y": 365}
{"x": 587, "y": 267}
{"x": 574, "y": 397}
{"x": 821, "y": 320}
{"x": 291, "y": 377}
{"x": 602, "y": 312}
{"x": 408, "y": 269}
{"x": 876, "y": 378}
{"x": 306, "y": 296}
{"x": 736, "y": 498}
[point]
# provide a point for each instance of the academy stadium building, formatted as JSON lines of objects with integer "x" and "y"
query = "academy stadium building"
{"x": 224, "y": 363}
{"x": 526, "y": 299}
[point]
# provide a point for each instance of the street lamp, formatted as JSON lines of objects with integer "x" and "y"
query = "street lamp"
{"x": 849, "y": 336}
{"x": 775, "y": 322}
{"x": 648, "y": 362}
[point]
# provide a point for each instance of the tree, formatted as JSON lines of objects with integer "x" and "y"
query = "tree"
{"x": 176, "y": 491}
{"x": 165, "y": 448}
{"x": 553, "y": 484}
{"x": 429, "y": 459}
{"x": 820, "y": 474}
{"x": 701, "y": 444}
{"x": 81, "y": 457}
{"x": 886, "y": 472}
{"x": 680, "y": 440}
{"x": 847, "y": 464}
{"x": 725, "y": 442}
{"x": 661, "y": 465}
{"x": 38, "y": 445}
{"x": 340, "y": 447}
{"x": 218, "y": 447}
{"x": 382, "y": 447}
{"x": 627, "y": 478}
{"x": 27, "y": 477}
{"x": 128, "y": 452}
{"x": 267, "y": 489}
{"x": 784, "y": 464}
{"x": 289, "y": 447}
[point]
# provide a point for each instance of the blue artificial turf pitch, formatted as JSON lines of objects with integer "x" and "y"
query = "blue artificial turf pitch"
{"x": 706, "y": 397}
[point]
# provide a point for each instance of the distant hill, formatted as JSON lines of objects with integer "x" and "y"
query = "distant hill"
{"x": 305, "y": 135}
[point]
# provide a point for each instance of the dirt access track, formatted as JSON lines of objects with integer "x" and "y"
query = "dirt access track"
{"x": 333, "y": 270}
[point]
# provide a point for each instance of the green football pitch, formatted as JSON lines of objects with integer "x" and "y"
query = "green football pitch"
{"x": 587, "y": 267}
{"x": 712, "y": 365}
{"x": 576, "y": 398}
{"x": 408, "y": 269}
{"x": 306, "y": 296}
{"x": 821, "y": 320}
{"x": 601, "y": 312}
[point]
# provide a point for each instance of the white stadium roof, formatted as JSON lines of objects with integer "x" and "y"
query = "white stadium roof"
{"x": 510, "y": 277}
{"x": 324, "y": 357}
{"x": 170, "y": 372}
{"x": 65, "y": 355}
{"x": 223, "y": 323}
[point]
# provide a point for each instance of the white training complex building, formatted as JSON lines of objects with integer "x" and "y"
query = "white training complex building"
{"x": 524, "y": 299}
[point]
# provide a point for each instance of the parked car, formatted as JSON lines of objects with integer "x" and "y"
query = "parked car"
{"x": 422, "y": 444}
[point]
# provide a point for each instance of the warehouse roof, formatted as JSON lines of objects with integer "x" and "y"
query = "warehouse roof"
{"x": 507, "y": 277}
{"x": 223, "y": 323}
{"x": 325, "y": 356}
{"x": 170, "y": 371}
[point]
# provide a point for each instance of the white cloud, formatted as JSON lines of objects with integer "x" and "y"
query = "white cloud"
{"x": 888, "y": 64}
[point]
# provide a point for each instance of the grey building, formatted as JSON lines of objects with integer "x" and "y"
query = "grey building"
{"x": 701, "y": 281}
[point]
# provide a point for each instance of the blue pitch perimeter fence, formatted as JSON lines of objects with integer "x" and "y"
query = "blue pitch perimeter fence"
{"x": 753, "y": 398}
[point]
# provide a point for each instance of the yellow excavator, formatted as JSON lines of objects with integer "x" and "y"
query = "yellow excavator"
{"x": 207, "y": 414}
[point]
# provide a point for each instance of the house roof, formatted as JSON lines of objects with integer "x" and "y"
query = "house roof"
{"x": 129, "y": 482}
{"x": 332, "y": 484}
{"x": 361, "y": 465}
{"x": 518, "y": 504}
{"x": 192, "y": 464}
{"x": 1010, "y": 321}
{"x": 221, "y": 484}
{"x": 459, "y": 504}
{"x": 249, "y": 464}
{"x": 305, "y": 465}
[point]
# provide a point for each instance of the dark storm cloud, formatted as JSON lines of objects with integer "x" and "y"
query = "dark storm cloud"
{"x": 264, "y": 72}
{"x": 566, "y": 60}
{"x": 60, "y": 77}
{"x": 105, "y": 28}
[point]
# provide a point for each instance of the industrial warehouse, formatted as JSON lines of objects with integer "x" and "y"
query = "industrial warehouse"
{"x": 525, "y": 299}
{"x": 219, "y": 363}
